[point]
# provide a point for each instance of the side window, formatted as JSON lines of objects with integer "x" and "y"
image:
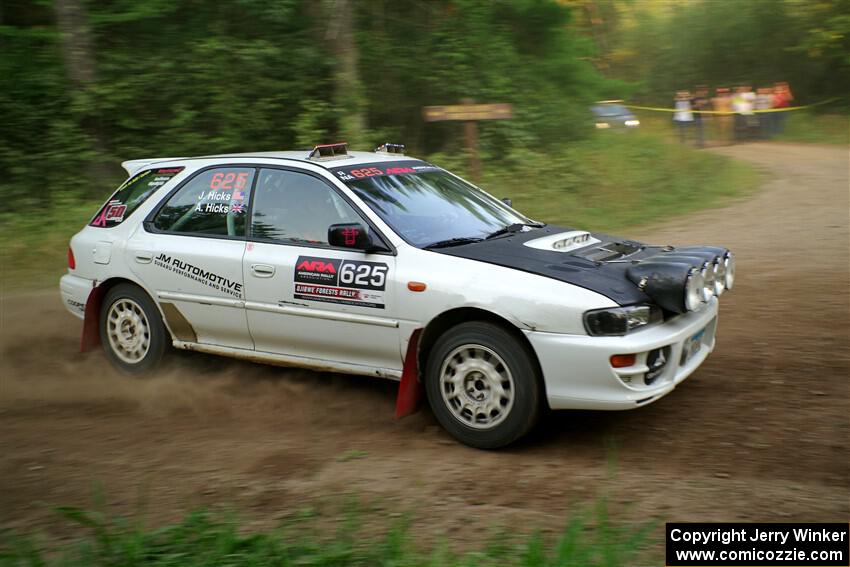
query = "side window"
{"x": 296, "y": 207}
{"x": 131, "y": 194}
{"x": 213, "y": 202}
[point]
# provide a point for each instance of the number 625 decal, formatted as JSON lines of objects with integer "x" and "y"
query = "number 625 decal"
{"x": 363, "y": 275}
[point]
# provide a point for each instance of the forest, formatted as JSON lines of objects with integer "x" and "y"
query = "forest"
{"x": 87, "y": 84}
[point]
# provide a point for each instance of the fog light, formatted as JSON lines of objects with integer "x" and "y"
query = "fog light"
{"x": 719, "y": 276}
{"x": 623, "y": 360}
{"x": 730, "y": 270}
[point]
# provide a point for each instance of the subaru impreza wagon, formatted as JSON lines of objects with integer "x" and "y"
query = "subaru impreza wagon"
{"x": 378, "y": 264}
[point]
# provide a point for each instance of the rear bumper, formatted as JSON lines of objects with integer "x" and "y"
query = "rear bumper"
{"x": 75, "y": 292}
{"x": 578, "y": 373}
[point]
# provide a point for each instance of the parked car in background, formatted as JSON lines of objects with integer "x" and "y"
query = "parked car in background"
{"x": 612, "y": 114}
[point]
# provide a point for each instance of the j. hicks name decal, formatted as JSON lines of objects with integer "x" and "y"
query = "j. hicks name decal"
{"x": 200, "y": 275}
{"x": 341, "y": 281}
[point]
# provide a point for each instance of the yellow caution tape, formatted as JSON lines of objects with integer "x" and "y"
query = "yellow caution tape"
{"x": 729, "y": 113}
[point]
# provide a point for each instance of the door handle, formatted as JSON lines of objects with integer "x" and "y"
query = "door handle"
{"x": 262, "y": 270}
{"x": 144, "y": 257}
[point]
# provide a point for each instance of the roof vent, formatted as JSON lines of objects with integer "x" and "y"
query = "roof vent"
{"x": 329, "y": 151}
{"x": 390, "y": 149}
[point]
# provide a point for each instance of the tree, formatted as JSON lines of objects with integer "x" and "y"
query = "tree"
{"x": 348, "y": 93}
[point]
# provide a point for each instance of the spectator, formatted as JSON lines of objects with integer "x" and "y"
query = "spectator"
{"x": 781, "y": 99}
{"x": 764, "y": 101}
{"x": 742, "y": 104}
{"x": 698, "y": 103}
{"x": 750, "y": 119}
{"x": 723, "y": 103}
{"x": 683, "y": 117}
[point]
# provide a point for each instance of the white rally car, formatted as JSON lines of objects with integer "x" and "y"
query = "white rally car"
{"x": 378, "y": 264}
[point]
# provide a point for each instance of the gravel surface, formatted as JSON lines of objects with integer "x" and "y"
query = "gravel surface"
{"x": 760, "y": 432}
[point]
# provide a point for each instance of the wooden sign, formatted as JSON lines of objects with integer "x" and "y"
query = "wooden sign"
{"x": 466, "y": 112}
{"x": 470, "y": 113}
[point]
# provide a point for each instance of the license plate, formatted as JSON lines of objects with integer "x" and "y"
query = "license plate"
{"x": 692, "y": 346}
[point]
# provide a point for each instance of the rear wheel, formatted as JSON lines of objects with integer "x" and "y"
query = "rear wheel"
{"x": 131, "y": 330}
{"x": 483, "y": 385}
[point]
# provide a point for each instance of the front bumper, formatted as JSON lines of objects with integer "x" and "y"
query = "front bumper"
{"x": 75, "y": 292}
{"x": 578, "y": 373}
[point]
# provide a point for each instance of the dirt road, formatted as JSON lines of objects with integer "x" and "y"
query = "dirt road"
{"x": 759, "y": 433}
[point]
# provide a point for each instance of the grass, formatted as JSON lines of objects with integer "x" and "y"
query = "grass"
{"x": 814, "y": 128}
{"x": 610, "y": 182}
{"x": 801, "y": 126}
{"x": 619, "y": 180}
{"x": 35, "y": 243}
{"x": 201, "y": 539}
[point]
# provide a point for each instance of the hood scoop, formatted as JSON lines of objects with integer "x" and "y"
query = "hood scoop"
{"x": 612, "y": 251}
{"x": 563, "y": 242}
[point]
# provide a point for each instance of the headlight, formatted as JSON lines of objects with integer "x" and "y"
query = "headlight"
{"x": 632, "y": 123}
{"x": 620, "y": 320}
{"x": 602, "y": 125}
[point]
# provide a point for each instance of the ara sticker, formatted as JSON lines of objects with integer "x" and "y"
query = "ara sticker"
{"x": 333, "y": 280}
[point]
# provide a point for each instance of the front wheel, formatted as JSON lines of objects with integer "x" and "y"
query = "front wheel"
{"x": 131, "y": 330}
{"x": 483, "y": 385}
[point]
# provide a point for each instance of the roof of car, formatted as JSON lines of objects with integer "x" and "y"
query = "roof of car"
{"x": 352, "y": 158}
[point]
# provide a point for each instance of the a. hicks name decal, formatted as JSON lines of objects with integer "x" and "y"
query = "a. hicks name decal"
{"x": 205, "y": 277}
{"x": 333, "y": 280}
{"x": 227, "y": 193}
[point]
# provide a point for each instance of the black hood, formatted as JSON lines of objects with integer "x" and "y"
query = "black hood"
{"x": 599, "y": 267}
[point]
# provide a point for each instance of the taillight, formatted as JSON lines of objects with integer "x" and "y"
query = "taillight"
{"x": 72, "y": 264}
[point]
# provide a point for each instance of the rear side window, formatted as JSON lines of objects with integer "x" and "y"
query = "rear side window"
{"x": 214, "y": 202}
{"x": 131, "y": 195}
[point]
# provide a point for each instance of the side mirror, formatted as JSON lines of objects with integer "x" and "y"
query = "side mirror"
{"x": 508, "y": 201}
{"x": 354, "y": 236}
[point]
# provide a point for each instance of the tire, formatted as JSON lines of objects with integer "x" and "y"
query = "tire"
{"x": 133, "y": 335}
{"x": 483, "y": 385}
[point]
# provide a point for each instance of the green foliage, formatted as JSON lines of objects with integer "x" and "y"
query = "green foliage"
{"x": 41, "y": 126}
{"x": 589, "y": 539}
{"x": 189, "y": 78}
{"x": 666, "y": 46}
{"x": 427, "y": 53}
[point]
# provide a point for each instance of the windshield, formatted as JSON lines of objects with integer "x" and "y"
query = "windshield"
{"x": 425, "y": 204}
{"x": 610, "y": 110}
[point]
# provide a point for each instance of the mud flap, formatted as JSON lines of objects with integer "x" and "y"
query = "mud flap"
{"x": 91, "y": 320}
{"x": 410, "y": 388}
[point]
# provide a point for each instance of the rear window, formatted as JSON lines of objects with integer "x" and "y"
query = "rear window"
{"x": 131, "y": 195}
